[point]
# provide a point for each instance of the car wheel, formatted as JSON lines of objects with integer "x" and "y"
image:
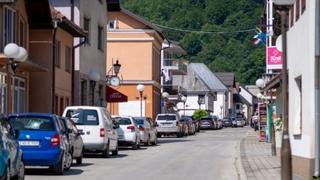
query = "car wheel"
{"x": 116, "y": 151}
{"x": 179, "y": 135}
{"x": 68, "y": 161}
{"x": 106, "y": 152}
{"x": 7, "y": 172}
{"x": 135, "y": 145}
{"x": 155, "y": 142}
{"x": 148, "y": 142}
{"x": 21, "y": 173}
{"x": 79, "y": 159}
{"x": 158, "y": 135}
{"x": 59, "y": 168}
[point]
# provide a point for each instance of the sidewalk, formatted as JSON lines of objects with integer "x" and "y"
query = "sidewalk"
{"x": 256, "y": 159}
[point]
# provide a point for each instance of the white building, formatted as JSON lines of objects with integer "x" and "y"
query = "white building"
{"x": 89, "y": 54}
{"x": 303, "y": 67}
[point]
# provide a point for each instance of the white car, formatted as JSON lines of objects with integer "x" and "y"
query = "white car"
{"x": 147, "y": 129}
{"x": 128, "y": 132}
{"x": 99, "y": 132}
{"x": 169, "y": 124}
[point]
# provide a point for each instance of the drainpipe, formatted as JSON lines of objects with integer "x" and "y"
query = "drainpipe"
{"x": 72, "y": 10}
{"x": 53, "y": 74}
{"x": 83, "y": 41}
{"x": 317, "y": 93}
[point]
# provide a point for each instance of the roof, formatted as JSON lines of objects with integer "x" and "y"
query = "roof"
{"x": 143, "y": 21}
{"x": 208, "y": 77}
{"x": 174, "y": 47}
{"x": 227, "y": 78}
{"x": 32, "y": 114}
{"x": 66, "y": 24}
{"x": 273, "y": 83}
{"x": 39, "y": 14}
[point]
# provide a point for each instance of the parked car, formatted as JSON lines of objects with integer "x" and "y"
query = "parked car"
{"x": 169, "y": 124}
{"x": 190, "y": 124}
{"x": 240, "y": 122}
{"x": 75, "y": 140}
{"x": 196, "y": 123}
{"x": 11, "y": 163}
{"x": 220, "y": 123}
{"x": 185, "y": 127}
{"x": 128, "y": 132}
{"x": 100, "y": 133}
{"x": 145, "y": 130}
{"x": 153, "y": 130}
{"x": 233, "y": 122}
{"x": 42, "y": 140}
{"x": 227, "y": 122}
{"x": 207, "y": 123}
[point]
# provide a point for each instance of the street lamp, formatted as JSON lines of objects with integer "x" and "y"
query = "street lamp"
{"x": 286, "y": 164}
{"x": 16, "y": 55}
{"x": 140, "y": 88}
{"x": 165, "y": 95}
{"x": 94, "y": 76}
{"x": 112, "y": 79}
{"x": 260, "y": 83}
{"x": 184, "y": 99}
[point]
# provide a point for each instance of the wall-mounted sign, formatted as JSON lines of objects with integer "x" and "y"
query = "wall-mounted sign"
{"x": 274, "y": 58}
{"x": 113, "y": 95}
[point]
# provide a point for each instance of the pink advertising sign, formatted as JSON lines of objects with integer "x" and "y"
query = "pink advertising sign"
{"x": 274, "y": 56}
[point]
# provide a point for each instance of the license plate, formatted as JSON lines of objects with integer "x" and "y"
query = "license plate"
{"x": 29, "y": 143}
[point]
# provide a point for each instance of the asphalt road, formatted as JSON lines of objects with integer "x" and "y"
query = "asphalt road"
{"x": 207, "y": 155}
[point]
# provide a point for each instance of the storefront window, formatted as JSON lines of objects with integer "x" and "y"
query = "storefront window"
{"x": 19, "y": 95}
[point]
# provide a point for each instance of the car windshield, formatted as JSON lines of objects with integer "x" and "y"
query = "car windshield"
{"x": 167, "y": 117}
{"x": 32, "y": 123}
{"x": 124, "y": 121}
{"x": 139, "y": 121}
{"x": 83, "y": 116}
{"x": 206, "y": 119}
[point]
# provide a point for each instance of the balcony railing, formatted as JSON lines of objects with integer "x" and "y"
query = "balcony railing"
{"x": 176, "y": 66}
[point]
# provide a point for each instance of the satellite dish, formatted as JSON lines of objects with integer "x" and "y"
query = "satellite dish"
{"x": 279, "y": 43}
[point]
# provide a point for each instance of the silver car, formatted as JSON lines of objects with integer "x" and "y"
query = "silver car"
{"x": 152, "y": 130}
{"x": 169, "y": 124}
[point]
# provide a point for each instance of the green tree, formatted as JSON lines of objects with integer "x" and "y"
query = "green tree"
{"x": 198, "y": 114}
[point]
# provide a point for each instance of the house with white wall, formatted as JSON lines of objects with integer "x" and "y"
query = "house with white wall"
{"x": 228, "y": 79}
{"x": 303, "y": 56}
{"x": 200, "y": 86}
{"x": 89, "y": 54}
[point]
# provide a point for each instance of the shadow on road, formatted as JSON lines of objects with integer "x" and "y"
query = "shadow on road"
{"x": 173, "y": 140}
{"x": 82, "y": 165}
{"x": 48, "y": 172}
{"x": 99, "y": 156}
{"x": 129, "y": 148}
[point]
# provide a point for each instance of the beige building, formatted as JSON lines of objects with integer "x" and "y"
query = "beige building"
{"x": 137, "y": 44}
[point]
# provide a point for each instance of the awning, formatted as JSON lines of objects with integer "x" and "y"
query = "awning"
{"x": 28, "y": 65}
{"x": 113, "y": 95}
{"x": 273, "y": 83}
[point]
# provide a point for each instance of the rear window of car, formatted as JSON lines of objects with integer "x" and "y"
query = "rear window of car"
{"x": 206, "y": 119}
{"x": 124, "y": 121}
{"x": 83, "y": 116}
{"x": 167, "y": 117}
{"x": 32, "y": 123}
{"x": 139, "y": 121}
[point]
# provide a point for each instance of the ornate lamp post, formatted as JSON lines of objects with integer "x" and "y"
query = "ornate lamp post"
{"x": 286, "y": 164}
{"x": 165, "y": 95}
{"x": 140, "y": 88}
{"x": 184, "y": 99}
{"x": 94, "y": 76}
{"x": 16, "y": 55}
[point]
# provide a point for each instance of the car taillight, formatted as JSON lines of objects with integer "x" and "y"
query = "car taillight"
{"x": 55, "y": 140}
{"x": 131, "y": 128}
{"x": 102, "y": 132}
{"x": 141, "y": 128}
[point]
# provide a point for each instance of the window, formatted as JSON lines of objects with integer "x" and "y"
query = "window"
{"x": 22, "y": 34}
{"x": 303, "y": 6}
{"x": 9, "y": 28}
{"x": 100, "y": 38}
{"x": 84, "y": 92}
{"x": 86, "y": 27}
{"x": 112, "y": 24}
{"x": 61, "y": 105}
{"x": 68, "y": 60}
{"x": 298, "y": 107}
{"x": 101, "y": 95}
{"x": 3, "y": 93}
{"x": 56, "y": 104}
{"x": 297, "y": 9}
{"x": 57, "y": 53}
{"x": 19, "y": 95}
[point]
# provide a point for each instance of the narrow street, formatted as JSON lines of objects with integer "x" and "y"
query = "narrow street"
{"x": 207, "y": 155}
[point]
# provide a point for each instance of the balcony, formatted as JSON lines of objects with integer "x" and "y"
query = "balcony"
{"x": 177, "y": 67}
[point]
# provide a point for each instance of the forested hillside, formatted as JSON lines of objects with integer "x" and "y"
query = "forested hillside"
{"x": 221, "y": 51}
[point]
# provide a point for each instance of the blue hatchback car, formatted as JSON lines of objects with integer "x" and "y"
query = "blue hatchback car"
{"x": 41, "y": 138}
{"x": 11, "y": 164}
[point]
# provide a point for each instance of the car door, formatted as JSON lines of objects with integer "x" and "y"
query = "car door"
{"x": 153, "y": 133}
{"x": 77, "y": 140}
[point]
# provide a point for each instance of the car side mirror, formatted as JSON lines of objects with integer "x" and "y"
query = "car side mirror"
{"x": 16, "y": 133}
{"x": 80, "y": 133}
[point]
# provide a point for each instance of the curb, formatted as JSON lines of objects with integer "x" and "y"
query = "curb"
{"x": 239, "y": 164}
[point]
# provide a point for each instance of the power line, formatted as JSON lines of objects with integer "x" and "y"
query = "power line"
{"x": 205, "y": 32}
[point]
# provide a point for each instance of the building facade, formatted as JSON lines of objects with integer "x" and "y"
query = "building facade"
{"x": 136, "y": 44}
